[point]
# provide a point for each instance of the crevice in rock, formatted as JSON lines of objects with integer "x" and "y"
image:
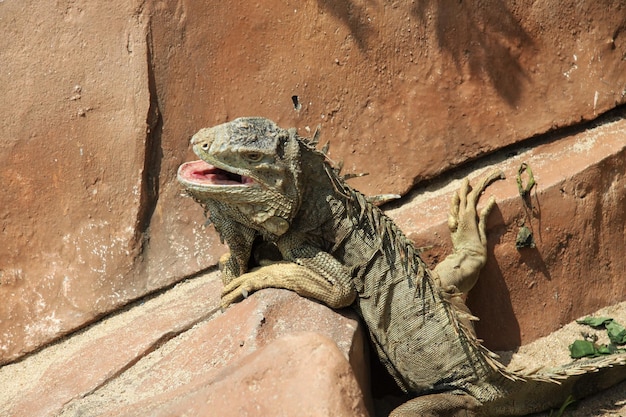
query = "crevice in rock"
{"x": 153, "y": 347}
{"x": 120, "y": 310}
{"x": 502, "y": 154}
{"x": 153, "y": 155}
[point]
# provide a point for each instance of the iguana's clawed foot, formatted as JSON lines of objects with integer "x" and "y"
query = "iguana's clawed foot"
{"x": 257, "y": 279}
{"x": 290, "y": 276}
{"x": 469, "y": 237}
{"x": 462, "y": 216}
{"x": 239, "y": 288}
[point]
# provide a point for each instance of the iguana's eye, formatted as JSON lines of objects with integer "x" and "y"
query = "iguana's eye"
{"x": 253, "y": 156}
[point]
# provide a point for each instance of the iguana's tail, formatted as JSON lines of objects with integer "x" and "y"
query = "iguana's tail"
{"x": 550, "y": 388}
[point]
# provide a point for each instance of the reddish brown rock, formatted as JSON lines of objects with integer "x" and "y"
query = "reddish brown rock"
{"x": 576, "y": 213}
{"x": 80, "y": 172}
{"x": 403, "y": 91}
{"x": 300, "y": 374}
{"x": 150, "y": 357}
{"x": 98, "y": 112}
{"x": 73, "y": 141}
{"x": 42, "y": 384}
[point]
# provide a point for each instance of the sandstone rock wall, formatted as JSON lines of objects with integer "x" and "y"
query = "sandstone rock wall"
{"x": 100, "y": 99}
{"x": 576, "y": 215}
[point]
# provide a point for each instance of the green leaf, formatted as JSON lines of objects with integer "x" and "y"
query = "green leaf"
{"x": 594, "y": 321}
{"x": 617, "y": 333}
{"x": 582, "y": 348}
{"x": 613, "y": 348}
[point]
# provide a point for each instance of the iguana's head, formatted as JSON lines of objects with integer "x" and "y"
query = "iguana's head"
{"x": 249, "y": 164}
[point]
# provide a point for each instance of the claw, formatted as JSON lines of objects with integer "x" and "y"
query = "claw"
{"x": 493, "y": 176}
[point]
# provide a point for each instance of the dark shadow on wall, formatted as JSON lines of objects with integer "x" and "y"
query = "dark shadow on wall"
{"x": 353, "y": 16}
{"x": 490, "y": 299}
{"x": 483, "y": 38}
{"x": 486, "y": 37}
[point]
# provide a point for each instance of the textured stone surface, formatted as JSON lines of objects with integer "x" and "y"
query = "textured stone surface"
{"x": 72, "y": 150}
{"x": 177, "y": 351}
{"x": 98, "y": 112}
{"x": 403, "y": 90}
{"x": 41, "y": 384}
{"x": 300, "y": 374}
{"x": 80, "y": 171}
{"x": 577, "y": 216}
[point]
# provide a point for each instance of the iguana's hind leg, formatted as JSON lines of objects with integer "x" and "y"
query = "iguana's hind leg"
{"x": 439, "y": 405}
{"x": 460, "y": 269}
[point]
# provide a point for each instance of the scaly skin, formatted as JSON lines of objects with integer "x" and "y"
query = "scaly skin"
{"x": 272, "y": 195}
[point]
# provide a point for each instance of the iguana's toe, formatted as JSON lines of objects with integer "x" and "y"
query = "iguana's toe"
{"x": 482, "y": 222}
{"x": 236, "y": 290}
{"x": 453, "y": 214}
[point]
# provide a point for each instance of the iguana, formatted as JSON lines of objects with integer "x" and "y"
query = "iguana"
{"x": 291, "y": 221}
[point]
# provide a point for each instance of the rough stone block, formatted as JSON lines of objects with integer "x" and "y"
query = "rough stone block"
{"x": 576, "y": 214}
{"x": 403, "y": 91}
{"x": 177, "y": 352}
{"x": 44, "y": 382}
{"x": 98, "y": 113}
{"x": 301, "y": 374}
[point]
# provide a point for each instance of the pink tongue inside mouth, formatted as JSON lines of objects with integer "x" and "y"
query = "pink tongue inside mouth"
{"x": 200, "y": 175}
{"x": 201, "y": 171}
{"x": 208, "y": 174}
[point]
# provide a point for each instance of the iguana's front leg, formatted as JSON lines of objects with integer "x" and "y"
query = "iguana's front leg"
{"x": 461, "y": 268}
{"x": 239, "y": 239}
{"x": 307, "y": 270}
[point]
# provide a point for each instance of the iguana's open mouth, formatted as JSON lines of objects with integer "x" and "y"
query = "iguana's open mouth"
{"x": 201, "y": 173}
